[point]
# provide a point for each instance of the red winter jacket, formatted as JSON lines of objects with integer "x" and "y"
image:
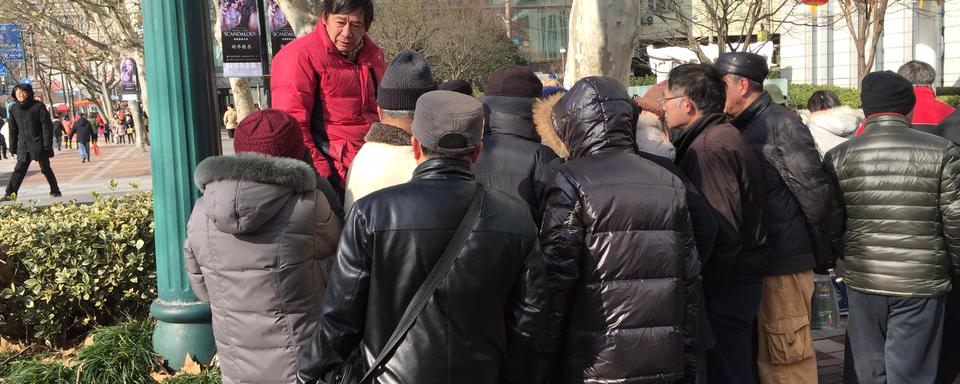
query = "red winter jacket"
{"x": 346, "y": 101}
{"x": 929, "y": 110}
{"x": 927, "y": 113}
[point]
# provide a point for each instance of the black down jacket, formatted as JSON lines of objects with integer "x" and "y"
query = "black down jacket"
{"x": 83, "y": 130}
{"x": 31, "y": 130}
{"x": 512, "y": 160}
{"x": 391, "y": 240}
{"x": 799, "y": 192}
{"x": 618, "y": 247}
{"x": 901, "y": 196}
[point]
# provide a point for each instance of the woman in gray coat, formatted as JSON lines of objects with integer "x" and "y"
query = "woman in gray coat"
{"x": 258, "y": 245}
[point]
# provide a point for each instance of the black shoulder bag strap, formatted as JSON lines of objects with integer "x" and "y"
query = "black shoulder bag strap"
{"x": 436, "y": 276}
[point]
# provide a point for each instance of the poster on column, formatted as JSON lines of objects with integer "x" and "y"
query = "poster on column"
{"x": 129, "y": 83}
{"x": 240, "y": 39}
{"x": 281, "y": 32}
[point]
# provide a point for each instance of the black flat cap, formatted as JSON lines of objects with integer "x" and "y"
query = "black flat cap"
{"x": 746, "y": 64}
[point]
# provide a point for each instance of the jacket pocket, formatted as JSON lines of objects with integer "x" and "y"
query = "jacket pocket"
{"x": 788, "y": 340}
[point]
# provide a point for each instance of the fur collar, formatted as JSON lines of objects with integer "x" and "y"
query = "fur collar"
{"x": 257, "y": 168}
{"x": 543, "y": 120}
{"x": 387, "y": 134}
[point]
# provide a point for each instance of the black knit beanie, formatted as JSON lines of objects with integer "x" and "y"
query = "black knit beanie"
{"x": 886, "y": 91}
{"x": 514, "y": 81}
{"x": 407, "y": 77}
{"x": 459, "y": 86}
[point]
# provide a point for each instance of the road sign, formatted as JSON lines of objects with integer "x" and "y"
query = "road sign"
{"x": 11, "y": 47}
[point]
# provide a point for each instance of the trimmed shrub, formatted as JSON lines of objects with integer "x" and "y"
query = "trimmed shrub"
{"x": 643, "y": 80}
{"x": 800, "y": 93}
{"x": 953, "y": 100}
{"x": 71, "y": 267}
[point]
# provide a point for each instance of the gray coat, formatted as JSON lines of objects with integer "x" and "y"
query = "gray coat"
{"x": 258, "y": 247}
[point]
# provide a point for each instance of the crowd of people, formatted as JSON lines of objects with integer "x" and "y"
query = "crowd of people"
{"x": 545, "y": 235}
{"x": 29, "y": 134}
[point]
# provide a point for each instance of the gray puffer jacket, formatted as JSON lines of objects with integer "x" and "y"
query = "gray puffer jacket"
{"x": 899, "y": 190}
{"x": 258, "y": 245}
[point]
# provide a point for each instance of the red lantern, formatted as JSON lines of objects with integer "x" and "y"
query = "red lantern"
{"x": 814, "y": 4}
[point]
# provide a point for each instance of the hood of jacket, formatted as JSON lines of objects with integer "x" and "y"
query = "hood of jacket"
{"x": 29, "y": 100}
{"x": 506, "y": 115}
{"x": 596, "y": 114}
{"x": 841, "y": 121}
{"x": 244, "y": 191}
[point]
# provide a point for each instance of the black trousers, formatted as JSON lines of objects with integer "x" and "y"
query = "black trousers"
{"x": 894, "y": 339}
{"x": 3, "y": 147}
{"x": 20, "y": 171}
{"x": 732, "y": 312}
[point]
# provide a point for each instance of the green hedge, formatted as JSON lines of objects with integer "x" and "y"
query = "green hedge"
{"x": 643, "y": 80}
{"x": 800, "y": 93}
{"x": 953, "y": 100}
{"x": 70, "y": 267}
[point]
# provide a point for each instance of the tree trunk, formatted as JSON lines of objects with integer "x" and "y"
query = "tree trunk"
{"x": 139, "y": 131}
{"x": 107, "y": 101}
{"x": 302, "y": 14}
{"x": 602, "y": 39}
{"x": 242, "y": 96}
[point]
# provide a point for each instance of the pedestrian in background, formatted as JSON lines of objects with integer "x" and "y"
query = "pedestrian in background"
{"x": 230, "y": 120}
{"x": 831, "y": 123}
{"x": 67, "y": 130}
{"x": 85, "y": 134}
{"x": 58, "y": 132}
{"x": 31, "y": 139}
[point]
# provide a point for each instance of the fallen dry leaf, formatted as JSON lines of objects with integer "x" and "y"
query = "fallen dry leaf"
{"x": 190, "y": 366}
{"x": 68, "y": 352}
{"x": 7, "y": 346}
{"x": 160, "y": 376}
{"x": 88, "y": 341}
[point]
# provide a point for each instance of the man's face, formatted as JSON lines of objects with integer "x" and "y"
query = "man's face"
{"x": 21, "y": 95}
{"x": 346, "y": 30}
{"x": 674, "y": 109}
{"x": 733, "y": 104}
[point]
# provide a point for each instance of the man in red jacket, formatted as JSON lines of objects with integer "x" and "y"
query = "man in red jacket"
{"x": 328, "y": 80}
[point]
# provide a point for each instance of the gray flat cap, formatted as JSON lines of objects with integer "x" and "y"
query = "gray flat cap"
{"x": 448, "y": 122}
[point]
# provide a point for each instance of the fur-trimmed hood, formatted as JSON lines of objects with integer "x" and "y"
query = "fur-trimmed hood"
{"x": 244, "y": 191}
{"x": 543, "y": 121}
{"x": 596, "y": 115}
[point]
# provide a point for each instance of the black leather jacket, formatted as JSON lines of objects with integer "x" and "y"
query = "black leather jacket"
{"x": 512, "y": 160}
{"x": 899, "y": 187}
{"x": 391, "y": 240}
{"x": 620, "y": 256}
{"x": 800, "y": 195}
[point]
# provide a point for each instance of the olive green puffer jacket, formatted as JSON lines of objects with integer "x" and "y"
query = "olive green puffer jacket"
{"x": 900, "y": 193}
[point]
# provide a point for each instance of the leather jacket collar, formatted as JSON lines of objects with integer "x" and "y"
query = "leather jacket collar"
{"x": 886, "y": 120}
{"x": 443, "y": 169}
{"x": 746, "y": 117}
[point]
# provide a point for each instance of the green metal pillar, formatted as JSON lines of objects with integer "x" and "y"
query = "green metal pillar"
{"x": 179, "y": 70}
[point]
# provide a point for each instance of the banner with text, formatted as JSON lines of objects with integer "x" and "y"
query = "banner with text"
{"x": 129, "y": 82}
{"x": 240, "y": 39}
{"x": 281, "y": 32}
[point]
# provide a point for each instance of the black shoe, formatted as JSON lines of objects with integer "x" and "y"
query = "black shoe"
{"x": 56, "y": 194}
{"x": 6, "y": 198}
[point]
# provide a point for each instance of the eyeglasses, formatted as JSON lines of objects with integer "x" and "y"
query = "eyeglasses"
{"x": 663, "y": 101}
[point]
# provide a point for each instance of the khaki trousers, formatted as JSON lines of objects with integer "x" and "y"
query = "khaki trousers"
{"x": 785, "y": 351}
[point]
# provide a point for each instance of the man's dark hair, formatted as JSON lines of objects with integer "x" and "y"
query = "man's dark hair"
{"x": 230, "y": 105}
{"x": 822, "y": 100}
{"x": 702, "y": 84}
{"x": 331, "y": 7}
{"x": 431, "y": 154}
{"x": 919, "y": 73}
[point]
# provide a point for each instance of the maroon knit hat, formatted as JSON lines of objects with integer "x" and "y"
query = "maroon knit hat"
{"x": 270, "y": 132}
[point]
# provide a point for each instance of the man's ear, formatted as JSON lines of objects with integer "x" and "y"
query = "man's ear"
{"x": 417, "y": 152}
{"x": 744, "y": 85}
{"x": 476, "y": 154}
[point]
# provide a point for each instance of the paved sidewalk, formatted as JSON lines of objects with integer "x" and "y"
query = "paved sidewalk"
{"x": 829, "y": 347}
{"x": 125, "y": 164}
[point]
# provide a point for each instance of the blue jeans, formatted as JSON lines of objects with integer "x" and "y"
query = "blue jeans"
{"x": 84, "y": 154}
